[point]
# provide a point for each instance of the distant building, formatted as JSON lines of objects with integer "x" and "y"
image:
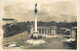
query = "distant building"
{"x": 67, "y": 29}
{"x": 45, "y": 30}
{"x": 8, "y": 21}
{"x": 74, "y": 32}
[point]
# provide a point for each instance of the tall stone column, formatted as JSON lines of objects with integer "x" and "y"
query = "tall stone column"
{"x": 35, "y": 18}
{"x": 36, "y": 23}
{"x": 35, "y": 33}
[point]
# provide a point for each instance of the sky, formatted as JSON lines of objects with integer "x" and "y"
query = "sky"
{"x": 48, "y": 10}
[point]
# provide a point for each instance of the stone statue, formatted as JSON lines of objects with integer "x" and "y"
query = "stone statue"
{"x": 35, "y": 8}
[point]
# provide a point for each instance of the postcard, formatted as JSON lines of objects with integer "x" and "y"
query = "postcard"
{"x": 35, "y": 25}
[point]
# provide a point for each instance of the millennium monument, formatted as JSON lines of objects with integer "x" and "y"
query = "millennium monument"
{"x": 35, "y": 34}
{"x": 35, "y": 38}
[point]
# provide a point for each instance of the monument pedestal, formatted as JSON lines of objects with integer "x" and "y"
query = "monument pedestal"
{"x": 35, "y": 36}
{"x": 36, "y": 39}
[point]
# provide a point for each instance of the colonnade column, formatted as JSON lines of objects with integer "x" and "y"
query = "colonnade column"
{"x": 41, "y": 31}
{"x": 54, "y": 32}
{"x": 44, "y": 31}
{"x": 49, "y": 31}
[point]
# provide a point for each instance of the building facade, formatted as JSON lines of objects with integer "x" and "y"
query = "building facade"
{"x": 43, "y": 30}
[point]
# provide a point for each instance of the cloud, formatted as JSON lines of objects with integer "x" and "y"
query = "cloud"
{"x": 23, "y": 10}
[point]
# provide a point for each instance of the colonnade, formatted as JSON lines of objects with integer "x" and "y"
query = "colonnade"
{"x": 44, "y": 30}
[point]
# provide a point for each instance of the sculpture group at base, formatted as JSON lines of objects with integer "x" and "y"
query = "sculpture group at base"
{"x": 35, "y": 37}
